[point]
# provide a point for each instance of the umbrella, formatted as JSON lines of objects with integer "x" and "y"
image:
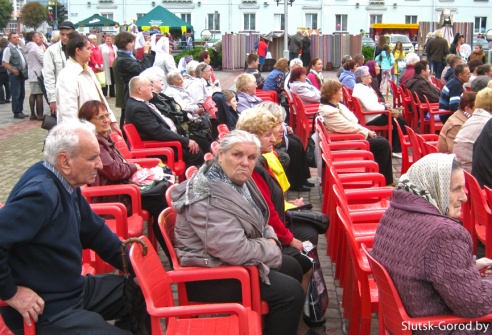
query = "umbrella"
{"x": 96, "y": 20}
{"x": 164, "y": 19}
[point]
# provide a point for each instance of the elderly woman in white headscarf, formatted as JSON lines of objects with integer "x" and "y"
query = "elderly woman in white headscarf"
{"x": 425, "y": 248}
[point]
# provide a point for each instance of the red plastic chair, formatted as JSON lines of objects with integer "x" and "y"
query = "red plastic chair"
{"x": 438, "y": 83}
{"x": 4, "y": 330}
{"x": 360, "y": 113}
{"x": 91, "y": 262}
{"x": 396, "y": 96}
{"x": 267, "y": 95}
{"x": 155, "y": 281}
{"x": 304, "y": 118}
{"x": 167, "y": 220}
{"x": 408, "y": 114}
{"x": 139, "y": 215}
{"x": 392, "y": 314}
{"x": 361, "y": 286}
{"x": 417, "y": 152}
{"x": 433, "y": 111}
{"x": 139, "y": 156}
{"x": 347, "y": 97}
{"x": 137, "y": 144}
{"x": 190, "y": 172}
{"x": 292, "y": 111}
{"x": 481, "y": 213}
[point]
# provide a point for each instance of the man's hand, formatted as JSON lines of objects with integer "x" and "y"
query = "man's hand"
{"x": 15, "y": 71}
{"x": 193, "y": 146}
{"x": 53, "y": 107}
{"x": 27, "y": 303}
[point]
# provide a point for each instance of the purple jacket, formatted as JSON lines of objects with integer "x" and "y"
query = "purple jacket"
{"x": 429, "y": 256}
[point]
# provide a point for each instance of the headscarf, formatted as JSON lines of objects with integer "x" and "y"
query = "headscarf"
{"x": 372, "y": 67}
{"x": 430, "y": 178}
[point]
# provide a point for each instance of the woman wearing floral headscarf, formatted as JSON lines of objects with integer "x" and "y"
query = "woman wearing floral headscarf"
{"x": 426, "y": 250}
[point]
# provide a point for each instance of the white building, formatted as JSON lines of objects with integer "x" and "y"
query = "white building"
{"x": 262, "y": 16}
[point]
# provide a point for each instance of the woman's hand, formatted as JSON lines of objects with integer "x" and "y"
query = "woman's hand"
{"x": 372, "y": 134}
{"x": 296, "y": 244}
{"x": 193, "y": 146}
{"x": 146, "y": 47}
{"x": 289, "y": 130}
{"x": 138, "y": 166}
{"x": 483, "y": 264}
{"x": 298, "y": 202}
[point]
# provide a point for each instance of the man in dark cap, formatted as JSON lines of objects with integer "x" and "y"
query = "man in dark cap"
{"x": 54, "y": 61}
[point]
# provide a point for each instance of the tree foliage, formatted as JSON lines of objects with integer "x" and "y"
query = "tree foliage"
{"x": 6, "y": 9}
{"x": 33, "y": 15}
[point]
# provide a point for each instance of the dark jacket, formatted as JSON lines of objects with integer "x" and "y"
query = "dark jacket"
{"x": 225, "y": 114}
{"x": 149, "y": 125}
{"x": 437, "y": 49}
{"x": 418, "y": 84}
{"x": 43, "y": 229}
{"x": 306, "y": 45}
{"x": 482, "y": 156}
{"x": 429, "y": 257}
{"x": 170, "y": 108}
{"x": 129, "y": 68}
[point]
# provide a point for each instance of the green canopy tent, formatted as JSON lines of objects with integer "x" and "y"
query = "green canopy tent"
{"x": 164, "y": 19}
{"x": 96, "y": 20}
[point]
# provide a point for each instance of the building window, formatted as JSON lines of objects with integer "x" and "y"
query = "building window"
{"x": 312, "y": 21}
{"x": 480, "y": 24}
{"x": 249, "y": 21}
{"x": 341, "y": 22}
{"x": 186, "y": 17}
{"x": 19, "y": 5}
{"x": 376, "y": 18}
{"x": 108, "y": 16}
{"x": 278, "y": 22}
{"x": 13, "y": 26}
{"x": 410, "y": 19}
{"x": 214, "y": 21}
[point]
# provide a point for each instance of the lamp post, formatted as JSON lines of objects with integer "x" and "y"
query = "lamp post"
{"x": 286, "y": 25}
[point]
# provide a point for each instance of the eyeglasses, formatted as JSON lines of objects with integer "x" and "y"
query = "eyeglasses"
{"x": 102, "y": 117}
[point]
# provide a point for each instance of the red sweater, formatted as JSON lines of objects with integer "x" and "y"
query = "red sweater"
{"x": 284, "y": 235}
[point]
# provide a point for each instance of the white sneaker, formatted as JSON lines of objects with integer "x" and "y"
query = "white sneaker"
{"x": 397, "y": 155}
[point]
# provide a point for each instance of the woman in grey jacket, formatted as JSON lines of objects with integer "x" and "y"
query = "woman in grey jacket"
{"x": 222, "y": 220}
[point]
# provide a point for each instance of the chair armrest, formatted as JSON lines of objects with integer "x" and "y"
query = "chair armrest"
{"x": 145, "y": 162}
{"x": 376, "y": 178}
{"x": 344, "y": 137}
{"x": 159, "y": 151}
{"x": 28, "y": 330}
{"x": 367, "y": 165}
{"x": 221, "y": 272}
{"x": 131, "y": 190}
{"x": 430, "y": 137}
{"x": 361, "y": 145}
{"x": 160, "y": 144}
{"x": 352, "y": 154}
{"x": 118, "y": 211}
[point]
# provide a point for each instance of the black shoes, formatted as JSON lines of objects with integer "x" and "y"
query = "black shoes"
{"x": 308, "y": 184}
{"x": 20, "y": 116}
{"x": 300, "y": 189}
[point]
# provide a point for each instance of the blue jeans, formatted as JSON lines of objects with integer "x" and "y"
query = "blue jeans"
{"x": 18, "y": 92}
{"x": 438, "y": 67}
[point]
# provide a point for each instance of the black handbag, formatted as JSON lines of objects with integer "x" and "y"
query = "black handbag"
{"x": 317, "y": 299}
{"x": 316, "y": 219}
{"x": 49, "y": 121}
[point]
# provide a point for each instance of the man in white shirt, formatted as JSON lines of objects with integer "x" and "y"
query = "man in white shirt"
{"x": 15, "y": 63}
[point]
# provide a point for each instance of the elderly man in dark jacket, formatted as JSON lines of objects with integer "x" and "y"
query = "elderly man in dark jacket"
{"x": 152, "y": 125}
{"x": 420, "y": 83}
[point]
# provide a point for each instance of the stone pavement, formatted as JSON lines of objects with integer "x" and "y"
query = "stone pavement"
{"x": 21, "y": 143}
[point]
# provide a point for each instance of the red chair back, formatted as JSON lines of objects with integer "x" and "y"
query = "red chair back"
{"x": 133, "y": 136}
{"x": 414, "y": 142}
{"x": 406, "y": 158}
{"x": 396, "y": 97}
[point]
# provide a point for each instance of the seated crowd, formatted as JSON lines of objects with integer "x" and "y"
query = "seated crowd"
{"x": 232, "y": 211}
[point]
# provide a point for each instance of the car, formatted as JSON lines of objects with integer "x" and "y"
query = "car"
{"x": 483, "y": 42}
{"x": 391, "y": 39}
{"x": 367, "y": 41}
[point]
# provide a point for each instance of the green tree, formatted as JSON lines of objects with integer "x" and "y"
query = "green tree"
{"x": 33, "y": 14}
{"x": 6, "y": 9}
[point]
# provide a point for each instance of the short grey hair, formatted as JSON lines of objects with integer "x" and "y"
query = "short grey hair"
{"x": 200, "y": 68}
{"x": 412, "y": 58}
{"x": 173, "y": 76}
{"x": 479, "y": 83}
{"x": 92, "y": 37}
{"x": 238, "y": 136}
{"x": 360, "y": 72}
{"x": 153, "y": 73}
{"x": 136, "y": 82}
{"x": 276, "y": 110}
{"x": 65, "y": 137}
{"x": 346, "y": 58}
{"x": 295, "y": 61}
{"x": 191, "y": 67}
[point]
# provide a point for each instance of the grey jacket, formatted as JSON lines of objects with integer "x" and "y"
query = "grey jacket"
{"x": 217, "y": 226}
